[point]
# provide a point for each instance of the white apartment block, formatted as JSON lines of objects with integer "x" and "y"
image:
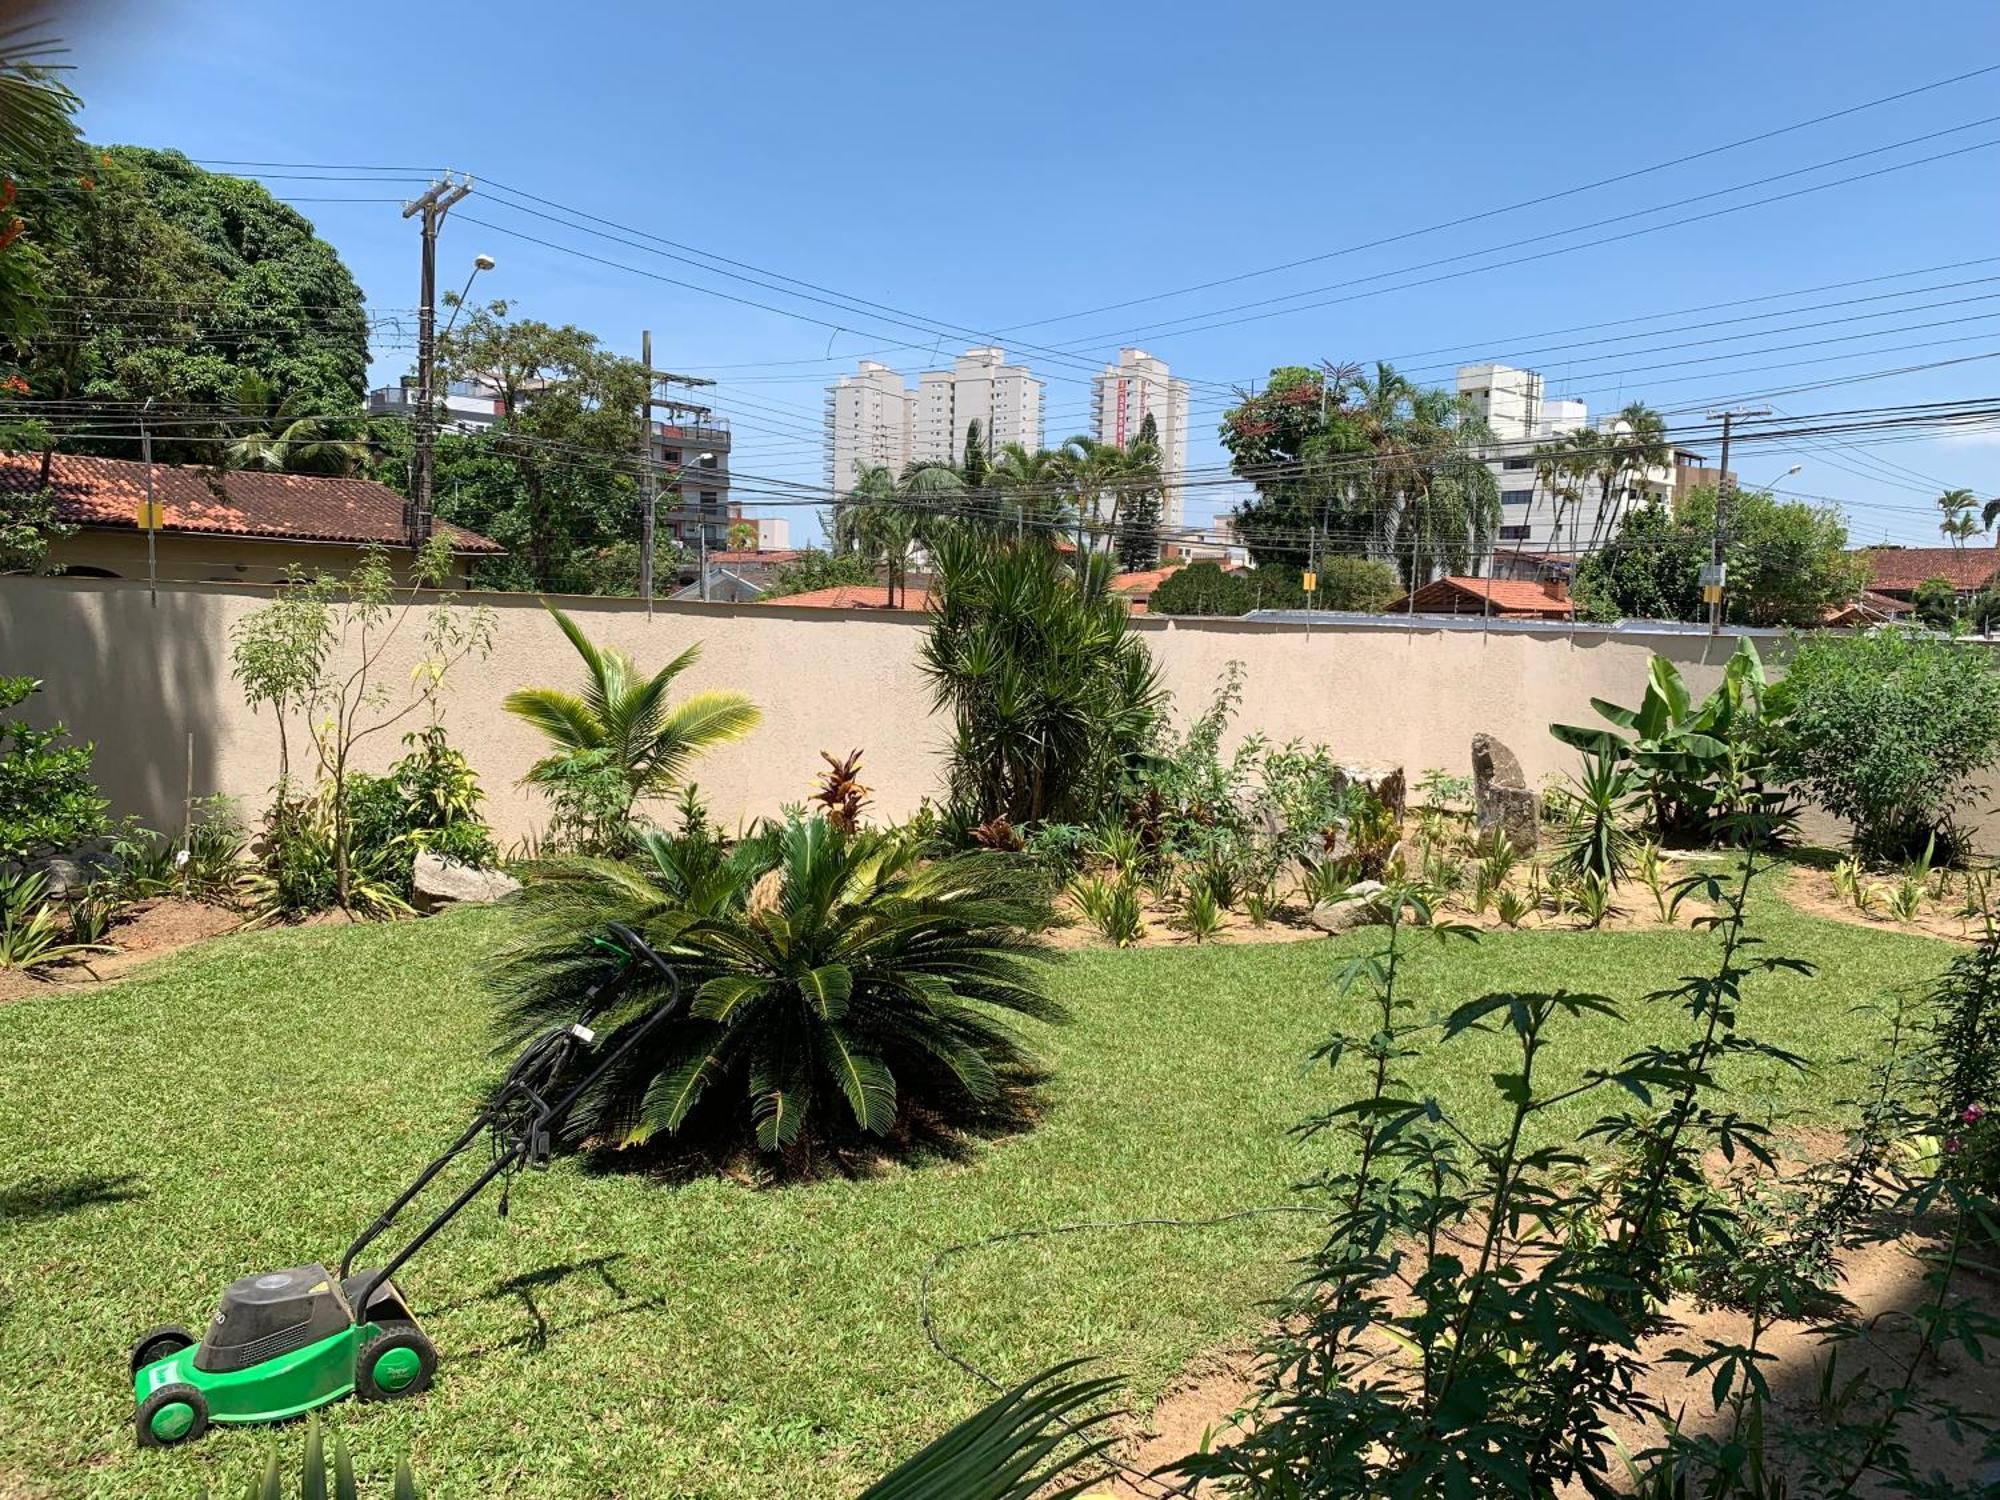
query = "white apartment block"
{"x": 1124, "y": 394}
{"x": 1533, "y": 517}
{"x": 868, "y": 423}
{"x": 1005, "y": 400}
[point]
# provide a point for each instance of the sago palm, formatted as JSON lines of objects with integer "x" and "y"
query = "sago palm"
{"x": 837, "y": 987}
{"x": 622, "y": 725}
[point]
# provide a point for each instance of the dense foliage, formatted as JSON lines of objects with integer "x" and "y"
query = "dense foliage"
{"x": 1883, "y": 730}
{"x": 619, "y": 742}
{"x": 47, "y": 799}
{"x": 839, "y": 989}
{"x": 428, "y": 801}
{"x": 1051, "y": 694}
{"x": 1375, "y": 461}
{"x": 164, "y": 280}
{"x": 1651, "y": 570}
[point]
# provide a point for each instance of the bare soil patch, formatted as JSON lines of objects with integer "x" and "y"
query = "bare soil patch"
{"x": 149, "y": 930}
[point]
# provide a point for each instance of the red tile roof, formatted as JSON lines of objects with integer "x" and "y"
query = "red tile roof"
{"x": 1142, "y": 583}
{"x": 1900, "y": 569}
{"x": 284, "y": 507}
{"x": 1512, "y": 598}
{"x": 1871, "y": 608}
{"x": 858, "y": 596}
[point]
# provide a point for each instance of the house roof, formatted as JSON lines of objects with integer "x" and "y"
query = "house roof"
{"x": 858, "y": 596}
{"x": 1901, "y": 569}
{"x": 105, "y": 492}
{"x": 770, "y": 557}
{"x": 1142, "y": 583}
{"x": 1519, "y": 598}
{"x": 1868, "y": 609}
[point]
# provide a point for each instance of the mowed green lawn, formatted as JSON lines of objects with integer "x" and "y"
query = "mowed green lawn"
{"x": 254, "y": 1103}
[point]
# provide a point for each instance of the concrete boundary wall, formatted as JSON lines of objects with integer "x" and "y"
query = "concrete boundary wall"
{"x": 139, "y": 680}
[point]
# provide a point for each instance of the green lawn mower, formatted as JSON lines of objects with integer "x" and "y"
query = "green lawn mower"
{"x": 284, "y": 1342}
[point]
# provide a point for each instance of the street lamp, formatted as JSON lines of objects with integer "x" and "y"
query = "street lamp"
{"x": 479, "y": 263}
{"x": 700, "y": 519}
{"x": 1784, "y": 476}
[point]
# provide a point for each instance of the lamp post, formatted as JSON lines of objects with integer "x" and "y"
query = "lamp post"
{"x": 479, "y": 263}
{"x": 700, "y": 519}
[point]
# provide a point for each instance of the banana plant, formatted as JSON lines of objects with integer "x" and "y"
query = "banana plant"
{"x": 1684, "y": 754}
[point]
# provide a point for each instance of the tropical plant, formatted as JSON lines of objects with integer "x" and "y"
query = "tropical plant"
{"x": 1958, "y": 506}
{"x": 1051, "y": 694}
{"x": 318, "y": 650}
{"x": 1600, "y": 841}
{"x": 1652, "y": 875}
{"x": 31, "y": 935}
{"x": 1060, "y": 847}
{"x": 314, "y": 1473}
{"x": 47, "y": 799}
{"x": 1200, "y": 913}
{"x": 1686, "y": 756}
{"x": 1016, "y": 1446}
{"x": 1497, "y": 858}
{"x": 427, "y": 802}
{"x": 1111, "y": 905}
{"x": 620, "y": 741}
{"x": 282, "y": 431}
{"x": 1512, "y": 907}
{"x": 837, "y": 986}
{"x": 1884, "y": 729}
{"x": 840, "y": 794}
{"x": 1906, "y": 899}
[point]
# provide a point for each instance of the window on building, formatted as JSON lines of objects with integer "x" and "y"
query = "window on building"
{"x": 1519, "y": 463}
{"x": 1516, "y": 497}
{"x": 1513, "y": 533}
{"x": 707, "y": 499}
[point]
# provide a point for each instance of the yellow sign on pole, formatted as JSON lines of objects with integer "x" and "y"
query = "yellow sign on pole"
{"x": 1711, "y": 593}
{"x": 1309, "y": 581}
{"x": 148, "y": 515}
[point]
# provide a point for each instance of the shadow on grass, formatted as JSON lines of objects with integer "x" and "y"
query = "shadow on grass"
{"x": 44, "y": 1198}
{"x": 523, "y": 1289}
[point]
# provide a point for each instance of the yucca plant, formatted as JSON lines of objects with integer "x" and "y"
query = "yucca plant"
{"x": 1510, "y": 906}
{"x": 1111, "y": 905}
{"x": 31, "y": 936}
{"x": 1599, "y": 842}
{"x": 1027, "y": 1439}
{"x": 835, "y": 985}
{"x": 620, "y": 741}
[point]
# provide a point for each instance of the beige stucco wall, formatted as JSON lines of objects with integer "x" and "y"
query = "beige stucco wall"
{"x": 182, "y": 557}
{"x": 139, "y": 680}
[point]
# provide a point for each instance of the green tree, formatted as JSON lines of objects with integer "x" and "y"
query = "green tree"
{"x": 620, "y": 741}
{"x": 1367, "y": 461}
{"x": 570, "y": 427}
{"x": 814, "y": 569}
{"x": 973, "y": 466}
{"x": 1139, "y": 518}
{"x": 1651, "y": 570}
{"x": 174, "y": 283}
{"x": 37, "y": 133}
{"x": 47, "y": 799}
{"x": 1884, "y": 729}
{"x": 274, "y": 431}
{"x": 1052, "y": 695}
{"x": 1935, "y": 603}
{"x": 1788, "y": 559}
{"x": 1958, "y": 506}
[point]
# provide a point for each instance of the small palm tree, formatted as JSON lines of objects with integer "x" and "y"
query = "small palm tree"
{"x": 838, "y": 985}
{"x": 276, "y": 435}
{"x": 621, "y": 730}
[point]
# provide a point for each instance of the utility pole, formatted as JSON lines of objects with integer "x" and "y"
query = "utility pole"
{"x": 433, "y": 206}
{"x": 152, "y": 507}
{"x": 1715, "y": 575}
{"x": 649, "y": 483}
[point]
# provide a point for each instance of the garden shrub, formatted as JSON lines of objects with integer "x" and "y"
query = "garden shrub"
{"x": 1884, "y": 730}
{"x": 428, "y": 800}
{"x": 47, "y": 799}
{"x": 1052, "y": 696}
{"x": 840, "y": 991}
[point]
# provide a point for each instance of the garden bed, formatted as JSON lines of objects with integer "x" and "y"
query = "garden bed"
{"x": 617, "y": 1335}
{"x": 146, "y": 930}
{"x": 1812, "y": 889}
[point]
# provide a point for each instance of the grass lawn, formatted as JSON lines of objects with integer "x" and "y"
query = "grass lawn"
{"x": 253, "y": 1104}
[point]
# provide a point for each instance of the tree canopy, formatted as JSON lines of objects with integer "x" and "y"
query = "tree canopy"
{"x": 1363, "y": 461}
{"x": 159, "y": 279}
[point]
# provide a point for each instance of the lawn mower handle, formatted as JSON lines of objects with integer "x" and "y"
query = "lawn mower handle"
{"x": 522, "y": 1081}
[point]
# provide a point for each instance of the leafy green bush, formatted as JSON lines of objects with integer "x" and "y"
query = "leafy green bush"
{"x": 47, "y": 799}
{"x": 429, "y": 800}
{"x": 1935, "y": 603}
{"x": 1051, "y": 695}
{"x": 1883, "y": 730}
{"x": 839, "y": 991}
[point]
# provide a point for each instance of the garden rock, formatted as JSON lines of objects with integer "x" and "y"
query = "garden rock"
{"x": 439, "y": 883}
{"x": 1356, "y": 909}
{"x": 1500, "y": 795}
{"x": 1385, "y": 783}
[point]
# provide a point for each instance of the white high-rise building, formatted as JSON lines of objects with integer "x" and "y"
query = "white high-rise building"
{"x": 1125, "y": 393}
{"x": 1562, "y": 520}
{"x": 1005, "y": 400}
{"x": 868, "y": 416}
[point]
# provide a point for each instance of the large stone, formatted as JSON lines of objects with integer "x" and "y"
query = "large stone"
{"x": 439, "y": 883}
{"x": 1500, "y": 795}
{"x": 1385, "y": 783}
{"x": 1358, "y": 908}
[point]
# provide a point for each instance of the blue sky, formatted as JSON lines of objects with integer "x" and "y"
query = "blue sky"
{"x": 1000, "y": 170}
